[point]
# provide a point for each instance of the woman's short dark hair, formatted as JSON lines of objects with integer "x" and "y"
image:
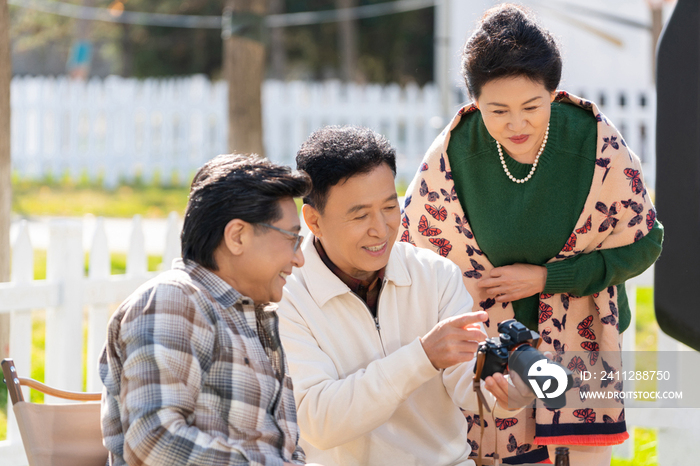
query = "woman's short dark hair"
{"x": 232, "y": 186}
{"x": 509, "y": 42}
{"x": 335, "y": 153}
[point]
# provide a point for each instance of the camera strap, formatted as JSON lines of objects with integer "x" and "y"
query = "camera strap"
{"x": 480, "y": 359}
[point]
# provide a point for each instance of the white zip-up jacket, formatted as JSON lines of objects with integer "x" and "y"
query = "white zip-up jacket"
{"x": 366, "y": 392}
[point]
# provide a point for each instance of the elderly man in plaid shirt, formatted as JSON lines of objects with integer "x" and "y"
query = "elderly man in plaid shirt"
{"x": 193, "y": 368}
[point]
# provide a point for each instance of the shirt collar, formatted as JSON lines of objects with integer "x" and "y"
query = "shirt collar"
{"x": 323, "y": 284}
{"x": 222, "y": 292}
{"x": 355, "y": 284}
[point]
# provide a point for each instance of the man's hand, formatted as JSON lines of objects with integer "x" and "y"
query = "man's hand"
{"x": 509, "y": 395}
{"x": 454, "y": 340}
{"x": 514, "y": 282}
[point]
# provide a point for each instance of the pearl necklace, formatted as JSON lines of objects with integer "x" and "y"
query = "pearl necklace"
{"x": 534, "y": 165}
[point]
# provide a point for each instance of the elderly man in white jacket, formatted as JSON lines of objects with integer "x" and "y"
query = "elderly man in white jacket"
{"x": 379, "y": 335}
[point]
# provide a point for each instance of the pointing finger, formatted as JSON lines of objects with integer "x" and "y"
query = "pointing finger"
{"x": 463, "y": 320}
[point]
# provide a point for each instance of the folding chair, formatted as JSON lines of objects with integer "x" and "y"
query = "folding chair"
{"x": 56, "y": 434}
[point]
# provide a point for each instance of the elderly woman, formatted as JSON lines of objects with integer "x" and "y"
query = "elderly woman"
{"x": 535, "y": 195}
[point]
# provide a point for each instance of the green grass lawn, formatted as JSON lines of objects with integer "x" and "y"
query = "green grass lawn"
{"x": 65, "y": 198}
{"x": 3, "y": 414}
{"x": 644, "y": 450}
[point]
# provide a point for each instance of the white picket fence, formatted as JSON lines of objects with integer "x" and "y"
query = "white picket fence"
{"x": 71, "y": 301}
{"x": 117, "y": 128}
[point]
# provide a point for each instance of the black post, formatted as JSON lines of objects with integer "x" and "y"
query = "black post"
{"x": 677, "y": 280}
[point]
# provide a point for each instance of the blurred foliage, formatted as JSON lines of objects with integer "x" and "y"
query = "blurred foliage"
{"x": 32, "y": 30}
{"x": 161, "y": 51}
{"x": 646, "y": 326}
{"x": 644, "y": 450}
{"x": 3, "y": 413}
{"x": 391, "y": 48}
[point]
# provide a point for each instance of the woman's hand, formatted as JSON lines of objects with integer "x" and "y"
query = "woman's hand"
{"x": 513, "y": 282}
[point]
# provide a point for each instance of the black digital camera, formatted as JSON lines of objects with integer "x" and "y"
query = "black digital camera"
{"x": 515, "y": 350}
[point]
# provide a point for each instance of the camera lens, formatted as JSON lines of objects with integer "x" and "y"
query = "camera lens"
{"x": 520, "y": 362}
{"x": 522, "y": 359}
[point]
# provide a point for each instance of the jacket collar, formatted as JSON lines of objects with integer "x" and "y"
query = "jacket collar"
{"x": 323, "y": 284}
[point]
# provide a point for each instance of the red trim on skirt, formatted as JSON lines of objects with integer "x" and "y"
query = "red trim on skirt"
{"x": 595, "y": 440}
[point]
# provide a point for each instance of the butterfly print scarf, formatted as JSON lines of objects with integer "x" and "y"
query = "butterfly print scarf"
{"x": 616, "y": 213}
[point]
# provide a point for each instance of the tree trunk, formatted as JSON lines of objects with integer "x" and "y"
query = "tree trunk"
{"x": 278, "y": 51}
{"x": 127, "y": 52}
{"x": 347, "y": 32}
{"x": 244, "y": 68}
{"x": 199, "y": 55}
{"x": 5, "y": 178}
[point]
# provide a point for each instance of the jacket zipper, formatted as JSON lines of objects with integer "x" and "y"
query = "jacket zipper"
{"x": 376, "y": 319}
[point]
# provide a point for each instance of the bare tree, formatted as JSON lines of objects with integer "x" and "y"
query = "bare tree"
{"x": 5, "y": 179}
{"x": 347, "y": 36}
{"x": 244, "y": 68}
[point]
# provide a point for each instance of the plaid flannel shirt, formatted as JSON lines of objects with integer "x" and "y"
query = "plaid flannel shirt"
{"x": 189, "y": 381}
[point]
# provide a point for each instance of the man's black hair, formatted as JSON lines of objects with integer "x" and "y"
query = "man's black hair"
{"x": 336, "y": 153}
{"x": 507, "y": 43}
{"x": 233, "y": 186}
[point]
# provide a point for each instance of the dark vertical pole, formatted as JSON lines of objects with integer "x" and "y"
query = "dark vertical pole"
{"x": 677, "y": 279}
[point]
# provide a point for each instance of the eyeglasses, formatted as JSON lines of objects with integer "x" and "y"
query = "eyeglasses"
{"x": 298, "y": 238}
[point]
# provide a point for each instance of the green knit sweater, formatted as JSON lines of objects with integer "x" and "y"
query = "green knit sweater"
{"x": 530, "y": 222}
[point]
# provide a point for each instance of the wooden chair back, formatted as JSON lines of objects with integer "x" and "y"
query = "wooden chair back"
{"x": 56, "y": 434}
